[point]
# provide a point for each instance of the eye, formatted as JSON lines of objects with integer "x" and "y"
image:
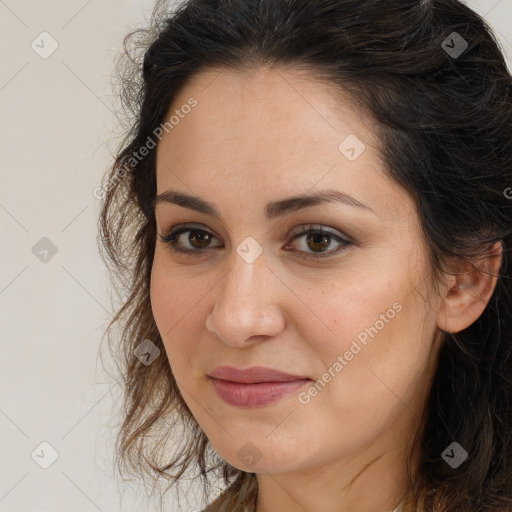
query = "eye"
{"x": 198, "y": 239}
{"x": 318, "y": 238}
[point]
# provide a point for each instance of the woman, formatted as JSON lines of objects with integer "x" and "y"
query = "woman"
{"x": 312, "y": 217}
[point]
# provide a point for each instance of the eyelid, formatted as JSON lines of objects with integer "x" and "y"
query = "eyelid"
{"x": 303, "y": 229}
{"x": 187, "y": 226}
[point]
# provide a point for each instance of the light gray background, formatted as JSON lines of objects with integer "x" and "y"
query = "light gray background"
{"x": 56, "y": 135}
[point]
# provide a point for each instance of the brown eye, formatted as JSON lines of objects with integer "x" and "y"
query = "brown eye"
{"x": 317, "y": 240}
{"x": 201, "y": 238}
{"x": 197, "y": 239}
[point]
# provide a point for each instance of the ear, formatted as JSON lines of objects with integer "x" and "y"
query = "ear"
{"x": 469, "y": 290}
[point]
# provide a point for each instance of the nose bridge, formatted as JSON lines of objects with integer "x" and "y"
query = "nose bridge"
{"x": 246, "y": 281}
{"x": 245, "y": 302}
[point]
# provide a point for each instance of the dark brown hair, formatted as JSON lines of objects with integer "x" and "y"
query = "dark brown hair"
{"x": 444, "y": 117}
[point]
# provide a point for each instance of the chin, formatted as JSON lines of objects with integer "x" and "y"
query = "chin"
{"x": 259, "y": 459}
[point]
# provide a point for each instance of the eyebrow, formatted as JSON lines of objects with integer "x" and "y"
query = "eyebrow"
{"x": 273, "y": 209}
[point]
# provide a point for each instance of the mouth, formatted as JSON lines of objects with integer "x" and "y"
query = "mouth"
{"x": 253, "y": 375}
{"x": 255, "y": 386}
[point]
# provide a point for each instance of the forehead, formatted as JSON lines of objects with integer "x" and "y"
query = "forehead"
{"x": 273, "y": 128}
{"x": 266, "y": 102}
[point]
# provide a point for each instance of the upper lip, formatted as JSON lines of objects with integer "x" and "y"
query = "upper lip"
{"x": 253, "y": 375}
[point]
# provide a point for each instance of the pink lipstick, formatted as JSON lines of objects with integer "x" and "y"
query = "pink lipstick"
{"x": 254, "y": 386}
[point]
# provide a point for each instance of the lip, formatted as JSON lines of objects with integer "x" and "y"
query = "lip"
{"x": 253, "y": 375}
{"x": 254, "y": 386}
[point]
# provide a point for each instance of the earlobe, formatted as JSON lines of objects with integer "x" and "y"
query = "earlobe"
{"x": 469, "y": 290}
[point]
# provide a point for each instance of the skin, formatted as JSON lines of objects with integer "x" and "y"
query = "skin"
{"x": 261, "y": 136}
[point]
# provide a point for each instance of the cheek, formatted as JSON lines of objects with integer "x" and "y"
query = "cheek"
{"x": 356, "y": 309}
{"x": 171, "y": 297}
{"x": 176, "y": 307}
{"x": 369, "y": 368}
{"x": 376, "y": 330}
{"x": 161, "y": 297}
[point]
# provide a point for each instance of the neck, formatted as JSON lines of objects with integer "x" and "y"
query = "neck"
{"x": 372, "y": 480}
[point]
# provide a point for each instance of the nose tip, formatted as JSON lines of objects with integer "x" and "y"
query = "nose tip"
{"x": 242, "y": 327}
{"x": 245, "y": 309}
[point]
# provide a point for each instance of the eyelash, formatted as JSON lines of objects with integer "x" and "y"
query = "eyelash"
{"x": 172, "y": 235}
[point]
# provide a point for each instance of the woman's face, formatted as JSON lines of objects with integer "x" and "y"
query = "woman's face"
{"x": 357, "y": 321}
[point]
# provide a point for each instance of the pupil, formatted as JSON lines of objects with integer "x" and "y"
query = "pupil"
{"x": 203, "y": 238}
{"x": 318, "y": 238}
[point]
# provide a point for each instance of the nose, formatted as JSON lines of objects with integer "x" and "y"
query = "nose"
{"x": 246, "y": 305}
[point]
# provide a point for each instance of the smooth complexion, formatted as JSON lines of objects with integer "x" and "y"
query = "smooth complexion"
{"x": 259, "y": 137}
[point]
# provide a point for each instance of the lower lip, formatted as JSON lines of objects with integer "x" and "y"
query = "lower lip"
{"x": 253, "y": 395}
